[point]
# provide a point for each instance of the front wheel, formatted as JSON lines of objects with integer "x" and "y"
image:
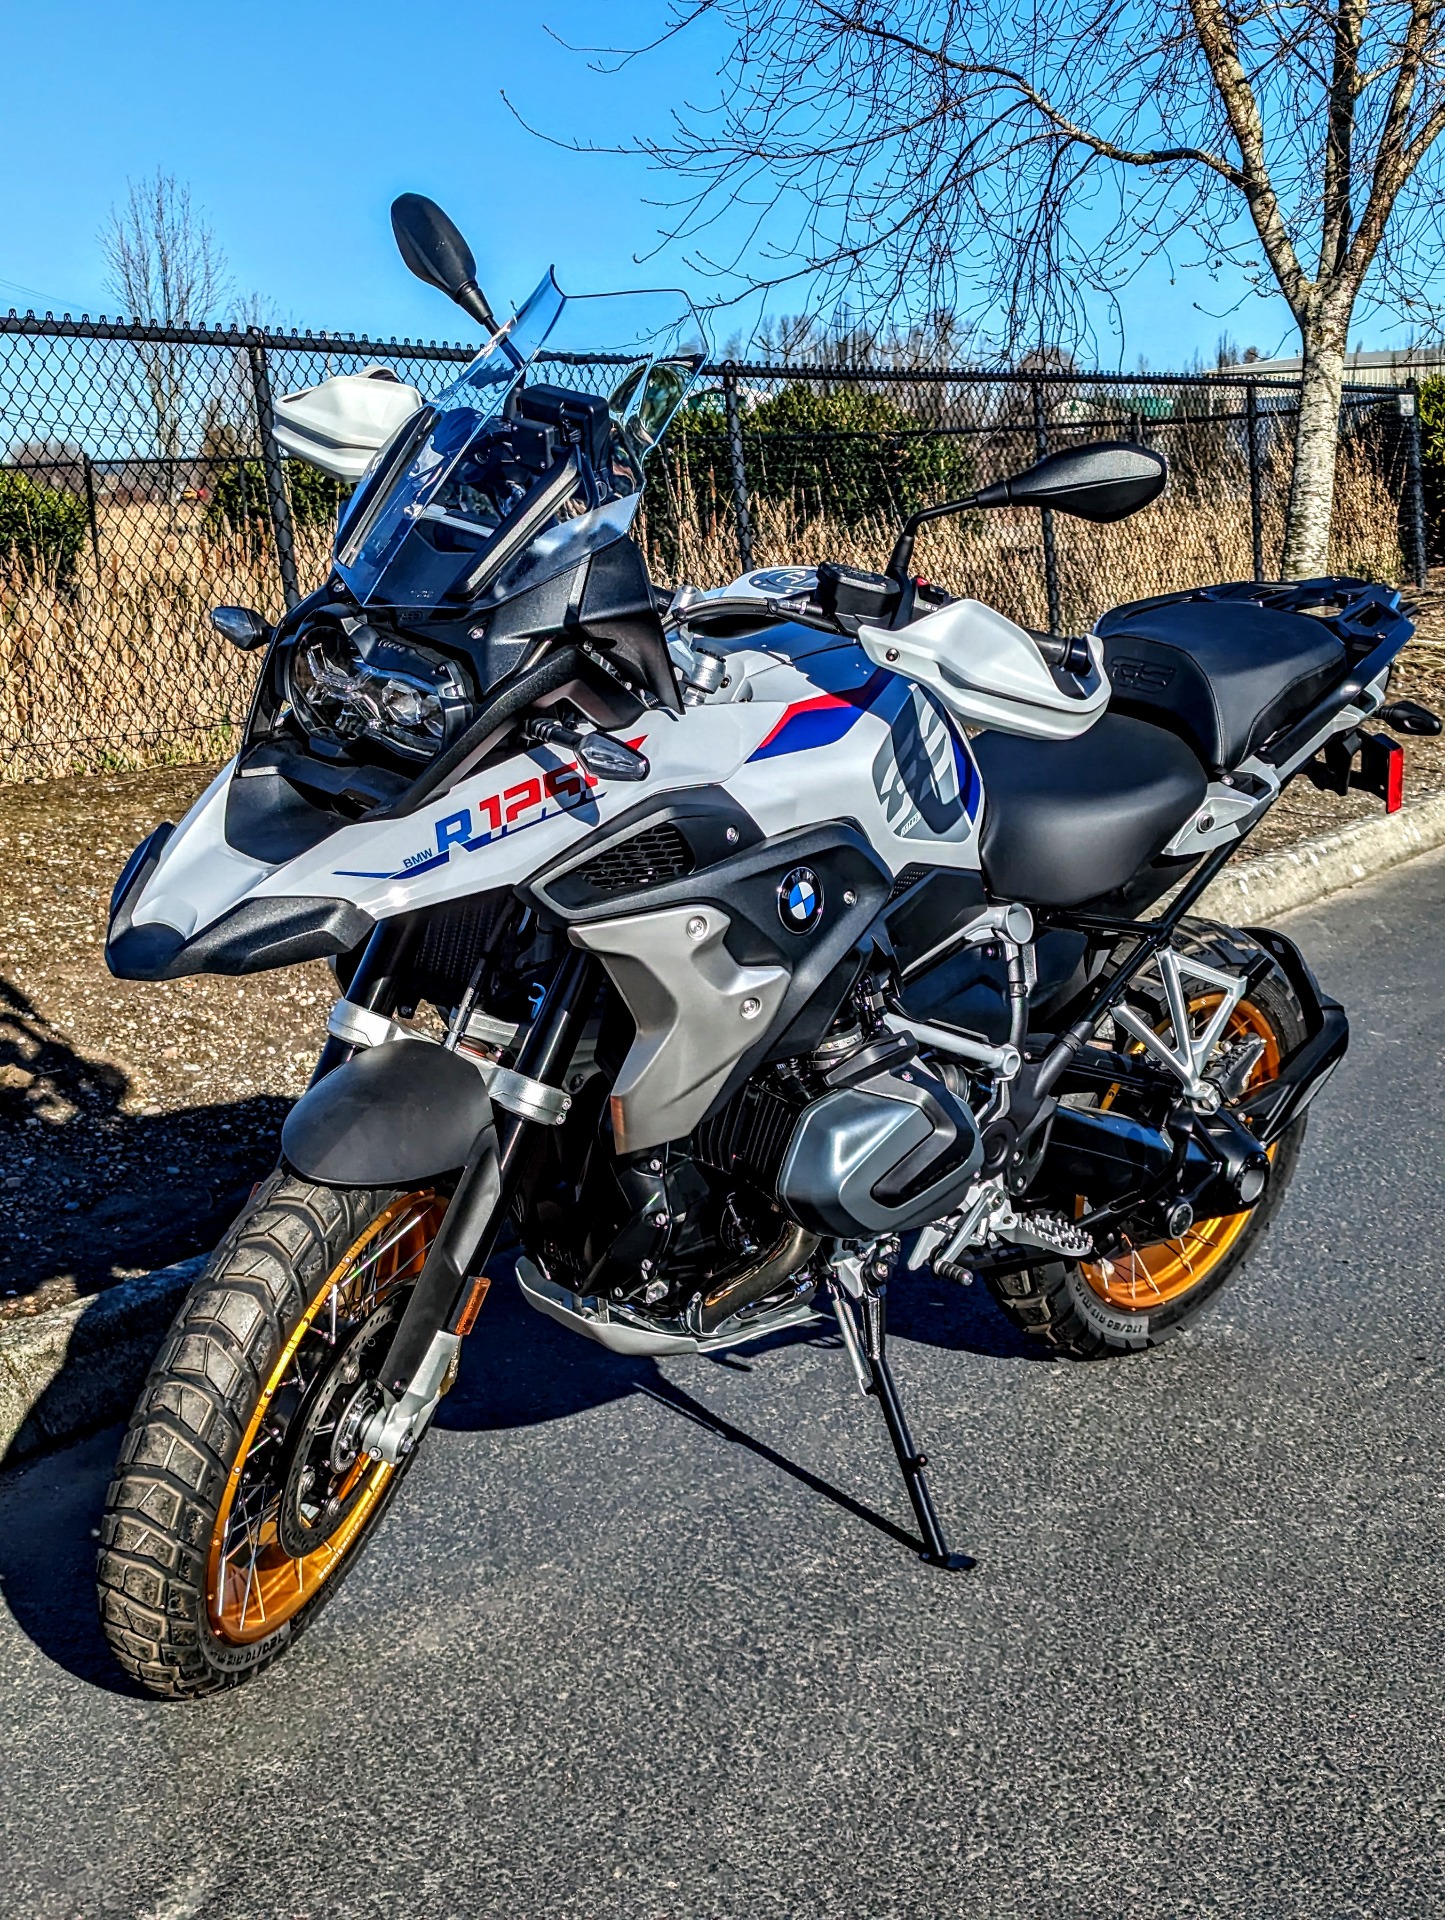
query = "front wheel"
{"x": 241, "y": 1496}
{"x": 1146, "y": 1290}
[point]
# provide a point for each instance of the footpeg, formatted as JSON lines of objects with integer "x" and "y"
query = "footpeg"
{"x": 1054, "y": 1232}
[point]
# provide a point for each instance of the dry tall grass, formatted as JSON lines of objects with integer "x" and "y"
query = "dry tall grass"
{"x": 1186, "y": 540}
{"x": 123, "y": 670}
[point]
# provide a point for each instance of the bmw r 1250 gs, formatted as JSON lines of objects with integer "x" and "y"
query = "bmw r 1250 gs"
{"x": 774, "y": 937}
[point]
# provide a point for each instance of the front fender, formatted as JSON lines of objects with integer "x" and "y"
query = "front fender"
{"x": 393, "y": 1115}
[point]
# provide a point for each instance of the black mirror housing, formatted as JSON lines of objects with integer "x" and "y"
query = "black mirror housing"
{"x": 433, "y": 248}
{"x": 1103, "y": 482}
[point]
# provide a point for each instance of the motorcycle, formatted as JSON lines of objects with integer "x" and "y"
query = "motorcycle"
{"x": 724, "y": 952}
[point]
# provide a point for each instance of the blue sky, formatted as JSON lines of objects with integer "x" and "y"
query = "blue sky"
{"x": 296, "y": 124}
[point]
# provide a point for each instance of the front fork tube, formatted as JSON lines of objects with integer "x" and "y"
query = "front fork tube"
{"x": 376, "y": 984}
{"x": 426, "y": 1341}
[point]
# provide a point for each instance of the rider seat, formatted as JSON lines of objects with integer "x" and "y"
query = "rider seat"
{"x": 1223, "y": 675}
{"x": 1065, "y": 821}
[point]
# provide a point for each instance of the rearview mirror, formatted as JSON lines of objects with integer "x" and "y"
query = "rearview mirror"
{"x": 435, "y": 251}
{"x": 1103, "y": 482}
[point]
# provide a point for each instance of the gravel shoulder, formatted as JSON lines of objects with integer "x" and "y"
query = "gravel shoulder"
{"x": 135, "y": 1117}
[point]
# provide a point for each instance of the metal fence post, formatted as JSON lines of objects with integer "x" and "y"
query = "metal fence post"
{"x": 89, "y": 472}
{"x": 1051, "y": 556}
{"x": 1256, "y": 496}
{"x": 739, "y": 471}
{"x": 281, "y": 526}
{"x": 1414, "y": 477}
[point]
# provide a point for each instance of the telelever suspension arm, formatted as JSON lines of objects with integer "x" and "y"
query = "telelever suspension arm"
{"x": 428, "y": 1335}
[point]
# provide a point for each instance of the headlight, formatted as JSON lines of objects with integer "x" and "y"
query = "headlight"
{"x": 363, "y": 685}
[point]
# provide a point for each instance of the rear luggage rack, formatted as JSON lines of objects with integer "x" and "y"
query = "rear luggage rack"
{"x": 1360, "y": 613}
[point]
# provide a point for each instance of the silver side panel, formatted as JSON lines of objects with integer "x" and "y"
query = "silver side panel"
{"x": 697, "y": 1013}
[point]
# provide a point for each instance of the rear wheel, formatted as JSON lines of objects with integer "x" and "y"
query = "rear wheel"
{"x": 241, "y": 1495}
{"x": 1146, "y": 1290}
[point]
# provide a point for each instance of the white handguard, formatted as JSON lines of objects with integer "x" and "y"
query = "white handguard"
{"x": 342, "y": 424}
{"x": 990, "y": 673}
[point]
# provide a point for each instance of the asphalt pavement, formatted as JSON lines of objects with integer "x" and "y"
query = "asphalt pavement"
{"x": 641, "y": 1642}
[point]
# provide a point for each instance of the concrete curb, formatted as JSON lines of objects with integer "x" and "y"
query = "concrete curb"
{"x": 65, "y": 1373}
{"x": 1256, "y": 891}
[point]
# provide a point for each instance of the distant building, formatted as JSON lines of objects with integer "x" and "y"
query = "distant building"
{"x": 1387, "y": 368}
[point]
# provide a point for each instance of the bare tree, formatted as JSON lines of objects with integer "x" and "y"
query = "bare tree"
{"x": 165, "y": 267}
{"x": 843, "y": 339}
{"x": 1032, "y": 155}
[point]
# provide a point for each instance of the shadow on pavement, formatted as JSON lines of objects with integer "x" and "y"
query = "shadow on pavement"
{"x": 522, "y": 1371}
{"x": 49, "y": 1516}
{"x": 89, "y": 1192}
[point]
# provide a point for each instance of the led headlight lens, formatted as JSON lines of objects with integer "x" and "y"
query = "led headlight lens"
{"x": 365, "y": 686}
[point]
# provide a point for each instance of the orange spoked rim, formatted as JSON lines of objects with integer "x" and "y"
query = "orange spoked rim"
{"x": 300, "y": 1492}
{"x": 1140, "y": 1278}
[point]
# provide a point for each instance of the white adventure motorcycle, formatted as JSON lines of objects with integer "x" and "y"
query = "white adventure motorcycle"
{"x": 769, "y": 936}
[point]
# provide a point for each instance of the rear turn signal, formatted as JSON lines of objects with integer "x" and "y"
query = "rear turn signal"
{"x": 1408, "y": 716}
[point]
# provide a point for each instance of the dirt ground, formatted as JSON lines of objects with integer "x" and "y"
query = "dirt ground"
{"x": 134, "y": 1117}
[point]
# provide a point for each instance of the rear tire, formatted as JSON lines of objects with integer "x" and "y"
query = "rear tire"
{"x": 249, "y": 1382}
{"x": 1067, "y": 1307}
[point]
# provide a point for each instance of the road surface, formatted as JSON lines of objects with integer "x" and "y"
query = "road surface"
{"x": 634, "y": 1642}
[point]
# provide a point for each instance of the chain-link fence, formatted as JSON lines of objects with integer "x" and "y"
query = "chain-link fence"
{"x": 140, "y": 486}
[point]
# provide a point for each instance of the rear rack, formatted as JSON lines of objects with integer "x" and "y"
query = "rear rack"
{"x": 1361, "y": 614}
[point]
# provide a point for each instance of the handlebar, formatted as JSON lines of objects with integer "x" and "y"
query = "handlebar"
{"x": 1069, "y": 652}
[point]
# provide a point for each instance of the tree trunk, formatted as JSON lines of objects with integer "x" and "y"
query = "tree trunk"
{"x": 1312, "y": 480}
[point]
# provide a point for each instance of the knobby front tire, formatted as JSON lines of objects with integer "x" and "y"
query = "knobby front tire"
{"x": 240, "y": 1500}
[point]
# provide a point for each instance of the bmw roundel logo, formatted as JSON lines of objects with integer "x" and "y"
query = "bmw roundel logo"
{"x": 800, "y": 900}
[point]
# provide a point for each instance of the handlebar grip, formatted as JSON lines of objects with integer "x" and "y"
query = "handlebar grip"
{"x": 1071, "y": 653}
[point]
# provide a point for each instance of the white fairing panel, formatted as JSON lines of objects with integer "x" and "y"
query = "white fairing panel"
{"x": 342, "y": 424}
{"x": 841, "y": 741}
{"x": 989, "y": 672}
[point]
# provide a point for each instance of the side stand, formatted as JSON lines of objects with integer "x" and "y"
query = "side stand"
{"x": 875, "y": 1377}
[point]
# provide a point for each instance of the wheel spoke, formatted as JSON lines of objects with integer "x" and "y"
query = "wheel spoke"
{"x": 255, "y": 1581}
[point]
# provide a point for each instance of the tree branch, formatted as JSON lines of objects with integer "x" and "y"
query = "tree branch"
{"x": 1339, "y": 135}
{"x": 1396, "y": 156}
{"x": 1242, "y": 109}
{"x": 1071, "y": 129}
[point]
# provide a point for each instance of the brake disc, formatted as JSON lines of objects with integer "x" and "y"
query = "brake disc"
{"x": 325, "y": 1474}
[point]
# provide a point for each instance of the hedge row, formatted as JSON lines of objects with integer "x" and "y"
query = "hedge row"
{"x": 44, "y": 528}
